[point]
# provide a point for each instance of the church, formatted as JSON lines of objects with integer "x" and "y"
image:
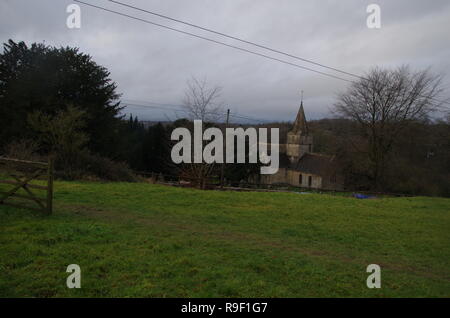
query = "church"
{"x": 300, "y": 166}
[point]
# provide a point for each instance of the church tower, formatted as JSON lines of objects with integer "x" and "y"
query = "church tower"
{"x": 299, "y": 142}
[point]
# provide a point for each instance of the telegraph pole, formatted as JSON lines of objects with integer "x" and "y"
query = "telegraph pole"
{"x": 223, "y": 163}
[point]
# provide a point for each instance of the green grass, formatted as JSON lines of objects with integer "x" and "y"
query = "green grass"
{"x": 142, "y": 240}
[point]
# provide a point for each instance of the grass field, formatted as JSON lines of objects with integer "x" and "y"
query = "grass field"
{"x": 142, "y": 240}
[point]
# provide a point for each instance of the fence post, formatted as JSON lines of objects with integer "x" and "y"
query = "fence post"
{"x": 50, "y": 186}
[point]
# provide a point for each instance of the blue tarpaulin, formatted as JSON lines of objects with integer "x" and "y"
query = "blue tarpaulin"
{"x": 363, "y": 196}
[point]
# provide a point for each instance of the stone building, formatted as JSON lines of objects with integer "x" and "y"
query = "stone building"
{"x": 300, "y": 166}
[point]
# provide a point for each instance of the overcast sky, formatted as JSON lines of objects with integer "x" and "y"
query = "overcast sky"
{"x": 151, "y": 64}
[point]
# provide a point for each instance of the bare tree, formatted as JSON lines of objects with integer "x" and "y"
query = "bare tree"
{"x": 197, "y": 173}
{"x": 383, "y": 103}
{"x": 203, "y": 101}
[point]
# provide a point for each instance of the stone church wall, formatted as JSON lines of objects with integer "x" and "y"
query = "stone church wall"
{"x": 294, "y": 179}
{"x": 279, "y": 177}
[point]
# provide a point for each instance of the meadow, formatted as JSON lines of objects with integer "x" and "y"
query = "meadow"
{"x": 144, "y": 240}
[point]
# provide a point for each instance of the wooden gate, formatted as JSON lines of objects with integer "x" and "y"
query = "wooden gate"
{"x": 20, "y": 174}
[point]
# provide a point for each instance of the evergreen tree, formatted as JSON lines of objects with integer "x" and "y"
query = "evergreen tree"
{"x": 47, "y": 79}
{"x": 157, "y": 150}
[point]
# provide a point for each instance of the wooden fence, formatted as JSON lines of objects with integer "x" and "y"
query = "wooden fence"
{"x": 21, "y": 173}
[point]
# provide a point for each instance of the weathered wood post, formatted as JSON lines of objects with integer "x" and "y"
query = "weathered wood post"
{"x": 50, "y": 186}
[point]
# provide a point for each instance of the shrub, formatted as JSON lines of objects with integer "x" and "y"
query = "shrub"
{"x": 94, "y": 167}
{"x": 24, "y": 150}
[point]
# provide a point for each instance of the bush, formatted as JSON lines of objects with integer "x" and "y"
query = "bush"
{"x": 94, "y": 167}
{"x": 84, "y": 165}
{"x": 24, "y": 150}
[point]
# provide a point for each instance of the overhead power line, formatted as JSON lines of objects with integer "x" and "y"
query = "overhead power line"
{"x": 253, "y": 43}
{"x": 181, "y": 108}
{"x": 214, "y": 41}
{"x": 236, "y": 47}
{"x": 235, "y": 38}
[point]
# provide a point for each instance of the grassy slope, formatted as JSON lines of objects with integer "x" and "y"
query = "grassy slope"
{"x": 156, "y": 241}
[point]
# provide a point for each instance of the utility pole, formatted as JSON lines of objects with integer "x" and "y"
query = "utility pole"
{"x": 223, "y": 163}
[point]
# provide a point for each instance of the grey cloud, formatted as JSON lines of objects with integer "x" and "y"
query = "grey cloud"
{"x": 152, "y": 64}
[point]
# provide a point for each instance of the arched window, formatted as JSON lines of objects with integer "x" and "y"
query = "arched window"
{"x": 309, "y": 181}
{"x": 300, "y": 179}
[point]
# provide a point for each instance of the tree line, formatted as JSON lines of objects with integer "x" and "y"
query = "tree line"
{"x": 60, "y": 102}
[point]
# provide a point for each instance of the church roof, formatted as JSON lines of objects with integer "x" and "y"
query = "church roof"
{"x": 314, "y": 163}
{"x": 300, "y": 125}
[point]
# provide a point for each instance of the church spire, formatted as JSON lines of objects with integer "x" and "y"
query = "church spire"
{"x": 300, "y": 125}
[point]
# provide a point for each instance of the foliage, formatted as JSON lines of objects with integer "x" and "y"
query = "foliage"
{"x": 156, "y": 150}
{"x": 133, "y": 136}
{"x": 46, "y": 79}
{"x": 382, "y": 104}
{"x": 420, "y": 152}
{"x": 92, "y": 166}
{"x": 62, "y": 132}
{"x": 61, "y": 135}
{"x": 24, "y": 150}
